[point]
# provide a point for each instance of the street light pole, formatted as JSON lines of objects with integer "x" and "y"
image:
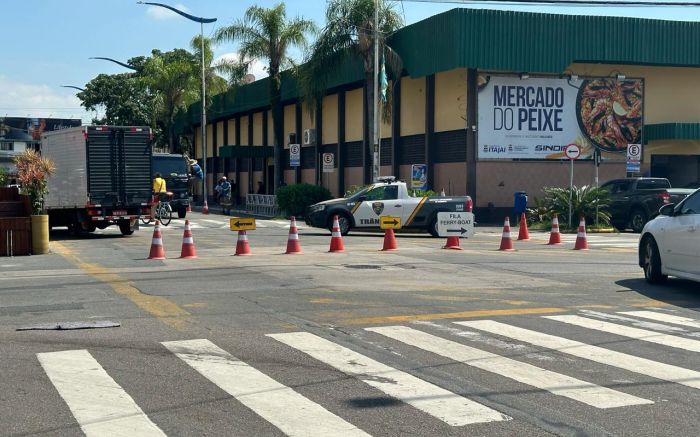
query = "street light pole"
{"x": 203, "y": 127}
{"x": 376, "y": 140}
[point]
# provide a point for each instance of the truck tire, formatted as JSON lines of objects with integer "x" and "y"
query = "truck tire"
{"x": 344, "y": 222}
{"x": 432, "y": 227}
{"x": 638, "y": 218}
{"x": 652, "y": 262}
{"x": 125, "y": 228}
{"x": 181, "y": 213}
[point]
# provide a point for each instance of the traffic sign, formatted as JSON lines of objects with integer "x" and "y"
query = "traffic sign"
{"x": 634, "y": 153}
{"x": 294, "y": 155}
{"x": 455, "y": 224}
{"x": 242, "y": 223}
{"x": 389, "y": 222}
{"x": 572, "y": 151}
{"x": 634, "y": 167}
{"x": 328, "y": 162}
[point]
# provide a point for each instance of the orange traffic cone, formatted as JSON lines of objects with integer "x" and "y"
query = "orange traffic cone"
{"x": 452, "y": 243}
{"x": 242, "y": 246}
{"x": 336, "y": 238}
{"x": 581, "y": 241}
{"x": 189, "y": 208}
{"x": 506, "y": 240}
{"x": 157, "y": 251}
{"x": 389, "y": 240}
{"x": 293, "y": 244}
{"x": 205, "y": 207}
{"x": 523, "y": 234}
{"x": 188, "y": 250}
{"x": 555, "y": 236}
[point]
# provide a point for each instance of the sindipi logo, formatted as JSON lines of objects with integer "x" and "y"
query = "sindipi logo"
{"x": 549, "y": 148}
{"x": 494, "y": 149}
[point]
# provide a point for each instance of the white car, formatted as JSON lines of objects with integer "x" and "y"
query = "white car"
{"x": 670, "y": 244}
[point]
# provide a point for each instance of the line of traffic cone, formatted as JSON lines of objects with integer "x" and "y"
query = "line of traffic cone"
{"x": 157, "y": 251}
{"x": 506, "y": 240}
{"x": 242, "y": 245}
{"x": 188, "y": 250}
{"x": 581, "y": 240}
{"x": 523, "y": 233}
{"x": 452, "y": 243}
{"x": 336, "y": 237}
{"x": 555, "y": 236}
{"x": 389, "y": 240}
{"x": 293, "y": 243}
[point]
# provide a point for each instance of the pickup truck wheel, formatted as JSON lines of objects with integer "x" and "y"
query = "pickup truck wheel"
{"x": 432, "y": 227}
{"x": 652, "y": 262}
{"x": 343, "y": 222}
{"x": 638, "y": 219}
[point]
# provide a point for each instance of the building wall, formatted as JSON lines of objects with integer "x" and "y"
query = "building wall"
{"x": 231, "y": 132}
{"x": 353, "y": 115}
{"x": 257, "y": 129}
{"x": 329, "y": 106}
{"x": 450, "y": 100}
{"x": 452, "y": 177}
{"x": 308, "y": 176}
{"x": 289, "y": 124}
{"x": 244, "y": 131}
{"x": 353, "y": 177}
{"x": 330, "y": 181}
{"x": 412, "y": 106}
{"x": 271, "y": 130}
{"x": 210, "y": 140}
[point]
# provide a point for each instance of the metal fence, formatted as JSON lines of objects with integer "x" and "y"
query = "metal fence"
{"x": 262, "y": 204}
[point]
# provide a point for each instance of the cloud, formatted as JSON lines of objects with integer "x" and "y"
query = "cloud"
{"x": 21, "y": 99}
{"x": 160, "y": 13}
{"x": 257, "y": 68}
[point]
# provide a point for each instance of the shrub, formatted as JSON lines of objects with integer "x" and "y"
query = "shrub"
{"x": 294, "y": 199}
{"x": 540, "y": 212}
{"x": 583, "y": 202}
{"x": 32, "y": 172}
{"x": 422, "y": 193}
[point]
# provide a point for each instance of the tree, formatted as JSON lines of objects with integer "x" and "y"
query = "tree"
{"x": 349, "y": 32}
{"x": 123, "y": 97}
{"x": 266, "y": 34}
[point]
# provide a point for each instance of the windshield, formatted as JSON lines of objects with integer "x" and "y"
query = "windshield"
{"x": 169, "y": 165}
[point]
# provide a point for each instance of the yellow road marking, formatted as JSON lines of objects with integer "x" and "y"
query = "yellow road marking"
{"x": 165, "y": 310}
{"x": 458, "y": 315}
{"x": 516, "y": 302}
{"x": 196, "y": 305}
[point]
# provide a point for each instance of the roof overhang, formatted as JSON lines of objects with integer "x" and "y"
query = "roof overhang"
{"x": 672, "y": 131}
{"x": 246, "y": 151}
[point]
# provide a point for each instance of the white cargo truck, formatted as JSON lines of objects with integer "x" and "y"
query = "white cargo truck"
{"x": 102, "y": 177}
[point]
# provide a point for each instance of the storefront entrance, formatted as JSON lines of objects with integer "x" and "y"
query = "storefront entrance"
{"x": 681, "y": 170}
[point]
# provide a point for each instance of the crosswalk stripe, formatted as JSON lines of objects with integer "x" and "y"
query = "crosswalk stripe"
{"x": 626, "y": 331}
{"x": 453, "y": 409}
{"x": 215, "y": 222}
{"x": 556, "y": 383}
{"x": 601, "y": 355}
{"x": 97, "y": 402}
{"x": 662, "y": 317}
{"x": 292, "y": 413}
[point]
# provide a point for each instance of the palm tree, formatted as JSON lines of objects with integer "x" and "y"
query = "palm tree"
{"x": 266, "y": 34}
{"x": 349, "y": 32}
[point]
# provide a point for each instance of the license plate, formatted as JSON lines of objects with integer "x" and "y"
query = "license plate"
{"x": 119, "y": 212}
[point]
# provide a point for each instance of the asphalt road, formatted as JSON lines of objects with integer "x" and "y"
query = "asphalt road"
{"x": 423, "y": 341}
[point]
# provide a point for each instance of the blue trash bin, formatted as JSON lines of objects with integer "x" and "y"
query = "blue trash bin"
{"x": 520, "y": 202}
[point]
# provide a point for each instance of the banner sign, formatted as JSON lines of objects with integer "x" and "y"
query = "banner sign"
{"x": 30, "y": 129}
{"x": 536, "y": 118}
{"x": 419, "y": 176}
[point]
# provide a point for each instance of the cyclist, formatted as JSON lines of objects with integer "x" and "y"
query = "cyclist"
{"x": 159, "y": 190}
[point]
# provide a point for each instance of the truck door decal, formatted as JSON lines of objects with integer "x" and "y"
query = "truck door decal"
{"x": 415, "y": 211}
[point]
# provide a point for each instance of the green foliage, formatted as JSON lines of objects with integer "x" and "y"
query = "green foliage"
{"x": 3, "y": 177}
{"x": 541, "y": 211}
{"x": 422, "y": 193}
{"x": 583, "y": 202}
{"x": 294, "y": 199}
{"x": 123, "y": 97}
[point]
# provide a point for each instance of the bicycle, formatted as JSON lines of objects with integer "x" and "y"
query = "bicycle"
{"x": 162, "y": 211}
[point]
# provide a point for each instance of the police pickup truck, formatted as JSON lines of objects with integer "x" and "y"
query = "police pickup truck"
{"x": 387, "y": 197}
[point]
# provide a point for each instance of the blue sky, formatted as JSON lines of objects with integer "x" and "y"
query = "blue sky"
{"x": 47, "y": 43}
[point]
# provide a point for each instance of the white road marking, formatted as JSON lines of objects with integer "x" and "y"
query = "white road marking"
{"x": 632, "y": 363}
{"x": 634, "y": 322}
{"x": 662, "y": 317}
{"x": 556, "y": 383}
{"x": 286, "y": 409}
{"x": 626, "y": 331}
{"x": 215, "y": 222}
{"x": 453, "y": 409}
{"x": 98, "y": 403}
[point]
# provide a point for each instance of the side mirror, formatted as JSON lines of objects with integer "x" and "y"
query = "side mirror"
{"x": 667, "y": 209}
{"x": 362, "y": 198}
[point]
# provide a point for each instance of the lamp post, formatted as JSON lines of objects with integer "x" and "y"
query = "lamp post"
{"x": 130, "y": 67}
{"x": 201, "y": 21}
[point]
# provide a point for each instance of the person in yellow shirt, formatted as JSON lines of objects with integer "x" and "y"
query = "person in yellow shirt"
{"x": 159, "y": 187}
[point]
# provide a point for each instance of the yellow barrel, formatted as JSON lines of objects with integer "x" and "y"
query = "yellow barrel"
{"x": 40, "y": 234}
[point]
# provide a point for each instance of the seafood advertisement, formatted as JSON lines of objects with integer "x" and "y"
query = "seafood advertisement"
{"x": 536, "y": 118}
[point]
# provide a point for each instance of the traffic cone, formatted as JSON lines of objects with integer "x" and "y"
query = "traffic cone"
{"x": 157, "y": 251}
{"x": 188, "y": 250}
{"x": 242, "y": 246}
{"x": 293, "y": 244}
{"x": 506, "y": 241}
{"x": 389, "y": 240}
{"x": 189, "y": 207}
{"x": 523, "y": 234}
{"x": 581, "y": 241}
{"x": 452, "y": 243}
{"x": 555, "y": 236}
{"x": 205, "y": 207}
{"x": 336, "y": 237}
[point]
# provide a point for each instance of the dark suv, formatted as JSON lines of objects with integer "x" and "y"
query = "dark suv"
{"x": 173, "y": 168}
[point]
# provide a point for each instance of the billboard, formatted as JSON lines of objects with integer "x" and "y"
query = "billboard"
{"x": 536, "y": 118}
{"x": 30, "y": 129}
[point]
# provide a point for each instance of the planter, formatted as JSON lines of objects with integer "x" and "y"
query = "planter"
{"x": 40, "y": 234}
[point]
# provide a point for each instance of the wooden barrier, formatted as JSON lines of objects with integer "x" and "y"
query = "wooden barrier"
{"x": 15, "y": 223}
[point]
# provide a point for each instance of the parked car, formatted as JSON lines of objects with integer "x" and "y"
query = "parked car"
{"x": 670, "y": 244}
{"x": 634, "y": 201}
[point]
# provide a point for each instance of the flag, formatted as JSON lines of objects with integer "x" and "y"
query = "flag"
{"x": 383, "y": 82}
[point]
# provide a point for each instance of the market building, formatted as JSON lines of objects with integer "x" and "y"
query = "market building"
{"x": 487, "y": 105}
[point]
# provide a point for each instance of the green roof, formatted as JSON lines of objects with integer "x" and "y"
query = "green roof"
{"x": 672, "y": 131}
{"x": 502, "y": 41}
